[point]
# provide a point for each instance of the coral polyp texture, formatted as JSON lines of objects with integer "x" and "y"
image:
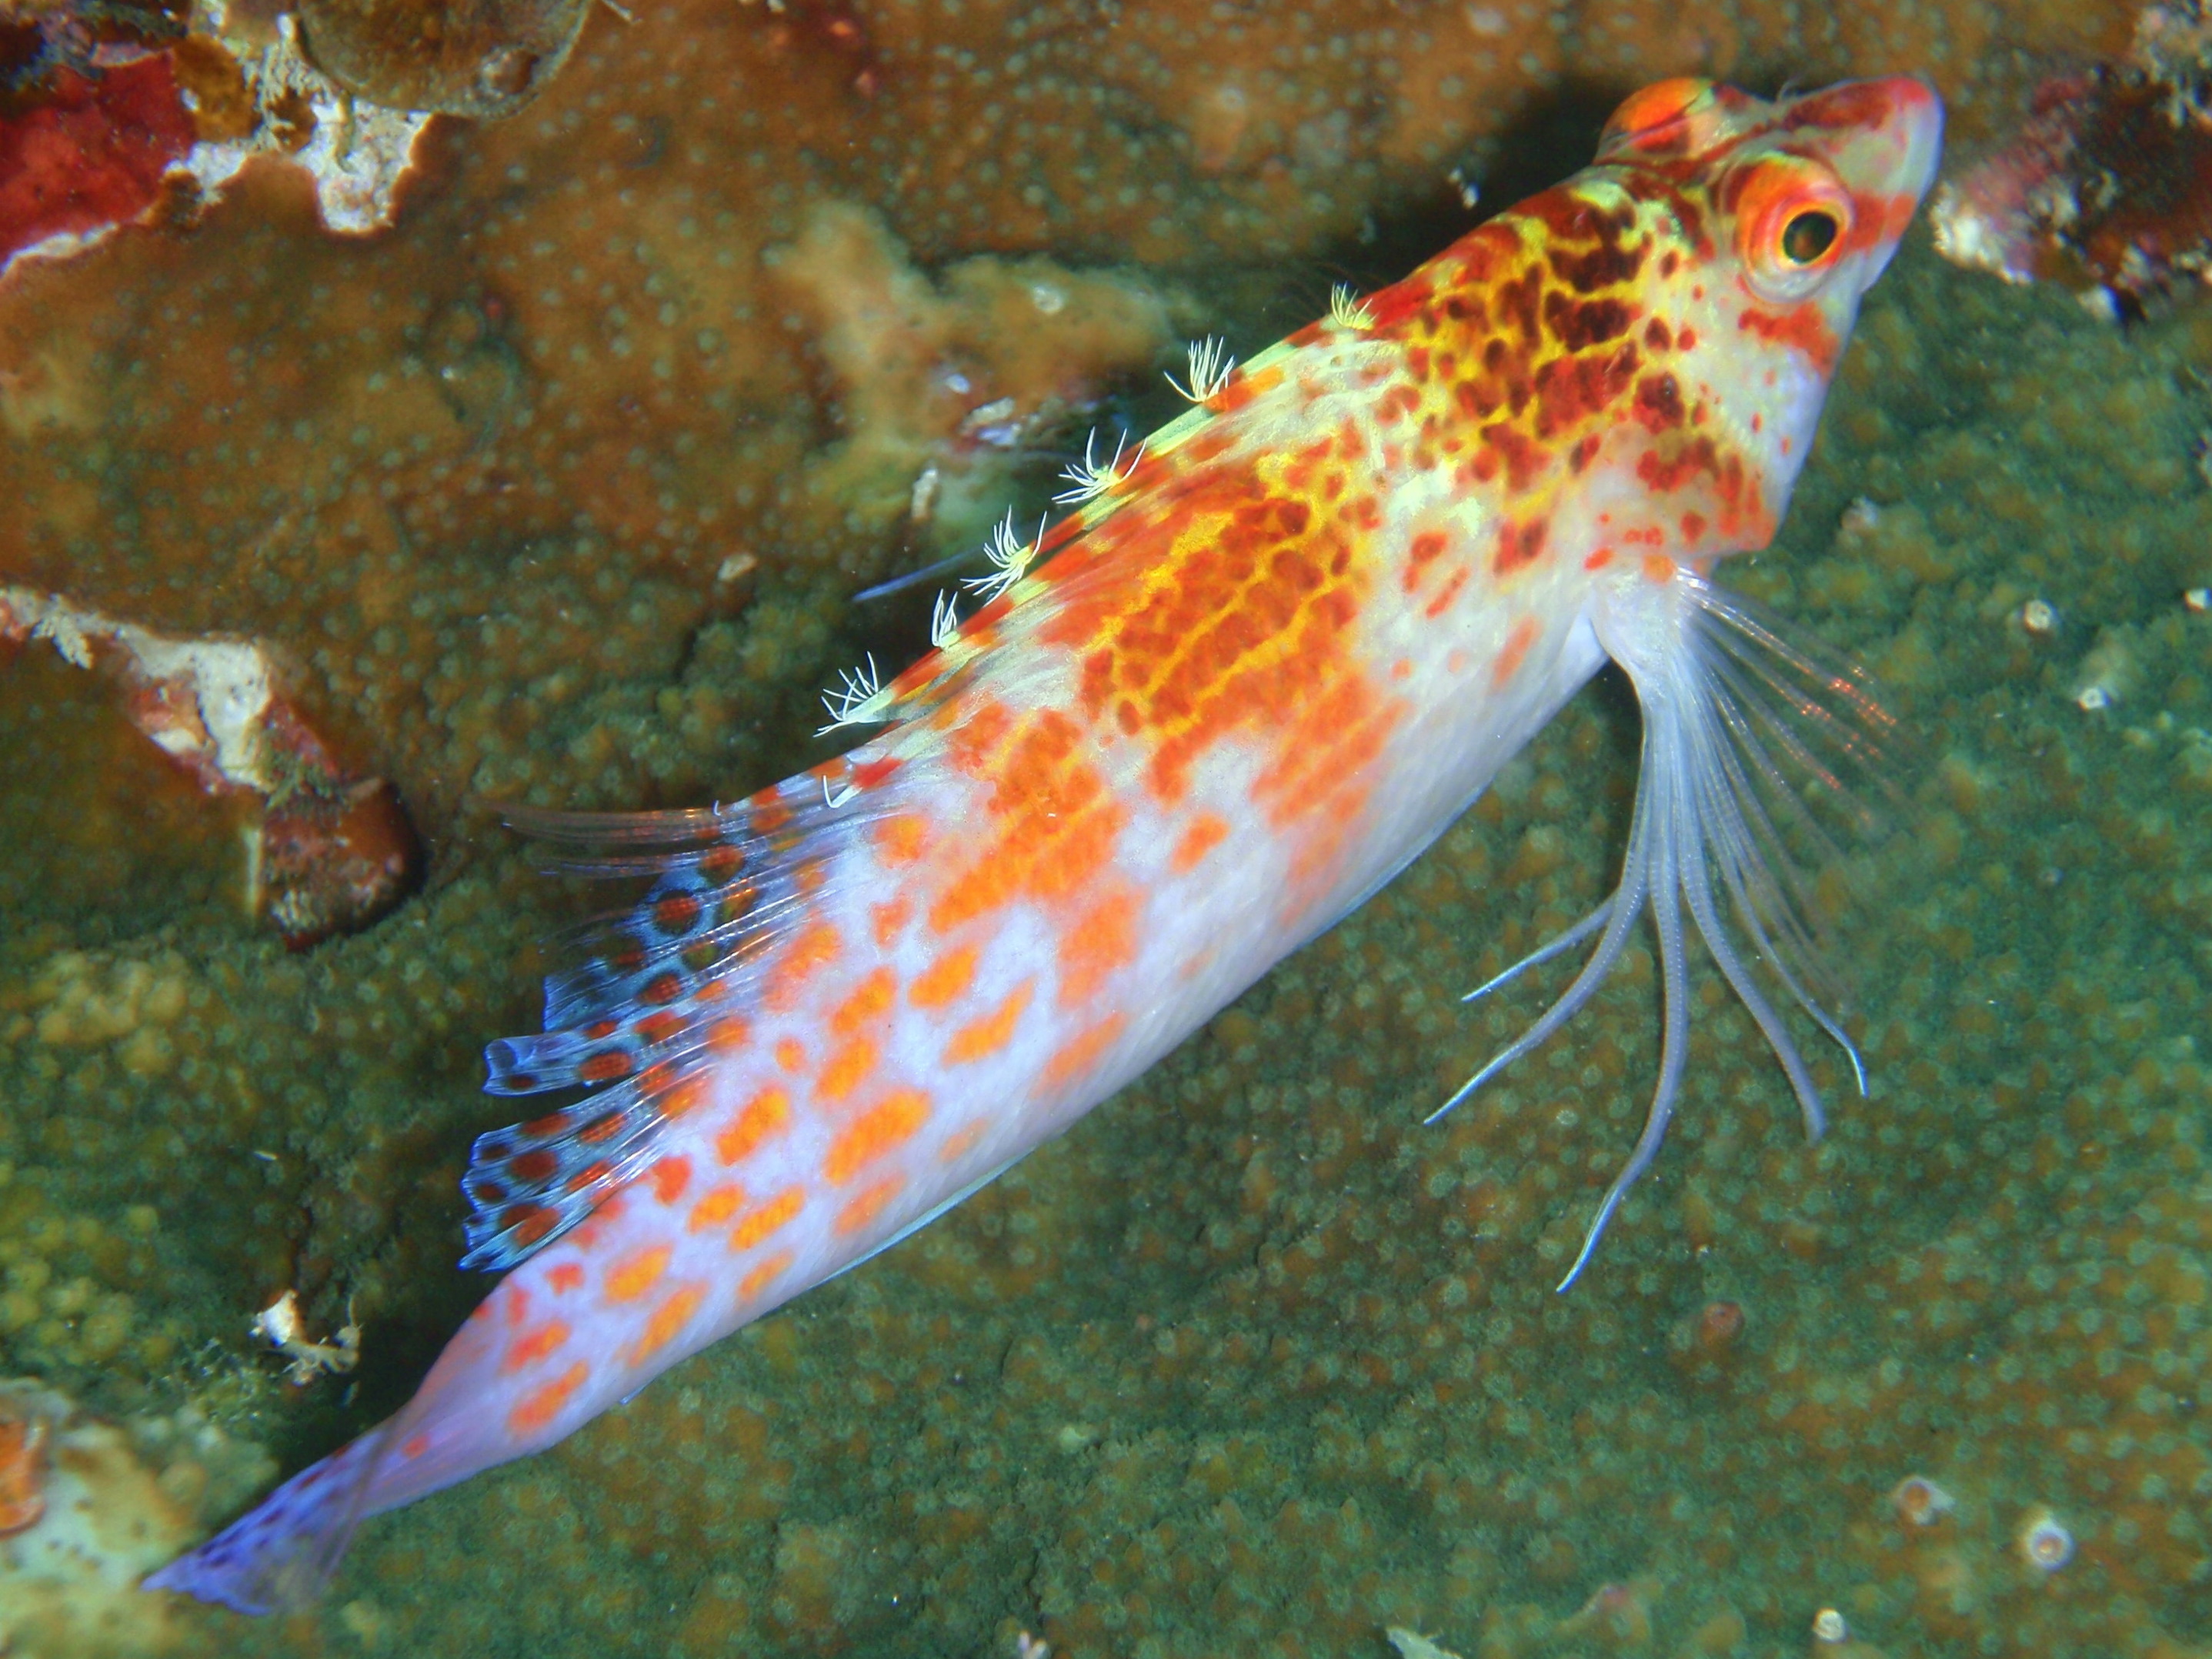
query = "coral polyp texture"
{"x": 556, "y": 491}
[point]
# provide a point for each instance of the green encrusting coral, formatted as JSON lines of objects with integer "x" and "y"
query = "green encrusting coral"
{"x": 1250, "y": 1362}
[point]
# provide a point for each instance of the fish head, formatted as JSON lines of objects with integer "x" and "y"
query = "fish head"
{"x": 1762, "y": 225}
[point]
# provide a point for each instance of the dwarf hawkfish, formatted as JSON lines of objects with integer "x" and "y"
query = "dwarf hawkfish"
{"x": 1275, "y": 652}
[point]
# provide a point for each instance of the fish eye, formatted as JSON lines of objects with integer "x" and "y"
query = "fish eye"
{"x": 1793, "y": 219}
{"x": 1809, "y": 235}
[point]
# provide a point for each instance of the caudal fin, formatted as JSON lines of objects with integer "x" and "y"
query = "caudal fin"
{"x": 278, "y": 1557}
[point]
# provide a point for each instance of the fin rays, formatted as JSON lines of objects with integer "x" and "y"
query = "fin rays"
{"x": 1731, "y": 711}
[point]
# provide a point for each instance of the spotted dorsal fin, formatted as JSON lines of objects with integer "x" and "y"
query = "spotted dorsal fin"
{"x": 657, "y": 993}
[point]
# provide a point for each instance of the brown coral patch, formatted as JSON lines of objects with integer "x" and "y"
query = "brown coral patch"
{"x": 481, "y": 57}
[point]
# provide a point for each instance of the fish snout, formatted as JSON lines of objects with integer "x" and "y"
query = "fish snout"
{"x": 1915, "y": 124}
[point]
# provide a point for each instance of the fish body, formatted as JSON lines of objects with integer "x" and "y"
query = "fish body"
{"x": 1270, "y": 661}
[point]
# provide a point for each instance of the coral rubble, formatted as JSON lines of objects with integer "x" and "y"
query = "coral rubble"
{"x": 2107, "y": 187}
{"x": 118, "y": 1499}
{"x": 946, "y": 382}
{"x": 329, "y": 852}
{"x": 96, "y": 135}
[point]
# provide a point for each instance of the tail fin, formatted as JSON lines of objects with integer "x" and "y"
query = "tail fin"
{"x": 278, "y": 1557}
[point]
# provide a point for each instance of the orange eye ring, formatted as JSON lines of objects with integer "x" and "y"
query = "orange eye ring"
{"x": 1793, "y": 222}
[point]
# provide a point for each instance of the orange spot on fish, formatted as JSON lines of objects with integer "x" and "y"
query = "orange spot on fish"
{"x": 1101, "y": 940}
{"x": 1519, "y": 545}
{"x": 1517, "y": 649}
{"x": 1207, "y": 831}
{"x": 847, "y": 1069}
{"x": 715, "y": 1208}
{"x": 668, "y": 1319}
{"x": 1056, "y": 824}
{"x": 815, "y": 948}
{"x": 960, "y": 1143}
{"x": 1801, "y": 327}
{"x": 759, "y": 1278}
{"x": 769, "y": 814}
{"x": 542, "y": 1404}
{"x": 637, "y": 1272}
{"x": 720, "y": 863}
{"x": 1658, "y": 568}
{"x": 529, "y": 1350}
{"x": 415, "y": 1446}
{"x": 890, "y": 920}
{"x": 1598, "y": 559}
{"x": 986, "y": 1036}
{"x": 945, "y": 979}
{"x": 757, "y": 1119}
{"x": 1428, "y": 545}
{"x": 1242, "y": 389}
{"x": 605, "y": 1066}
{"x": 1657, "y": 116}
{"x": 790, "y": 1054}
{"x": 887, "y": 1124}
{"x": 870, "y": 1204}
{"x": 528, "y": 1222}
{"x": 728, "y": 1034}
{"x": 670, "y": 1177}
{"x": 1079, "y": 1056}
{"x": 566, "y": 1277}
{"x": 1442, "y": 603}
{"x": 767, "y": 1218}
{"x": 684, "y": 1095}
{"x": 1315, "y": 788}
{"x": 866, "y": 1005}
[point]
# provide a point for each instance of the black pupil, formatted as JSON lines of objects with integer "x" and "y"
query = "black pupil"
{"x": 1807, "y": 236}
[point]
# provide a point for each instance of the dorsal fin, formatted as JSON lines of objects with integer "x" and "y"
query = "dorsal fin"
{"x": 660, "y": 989}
